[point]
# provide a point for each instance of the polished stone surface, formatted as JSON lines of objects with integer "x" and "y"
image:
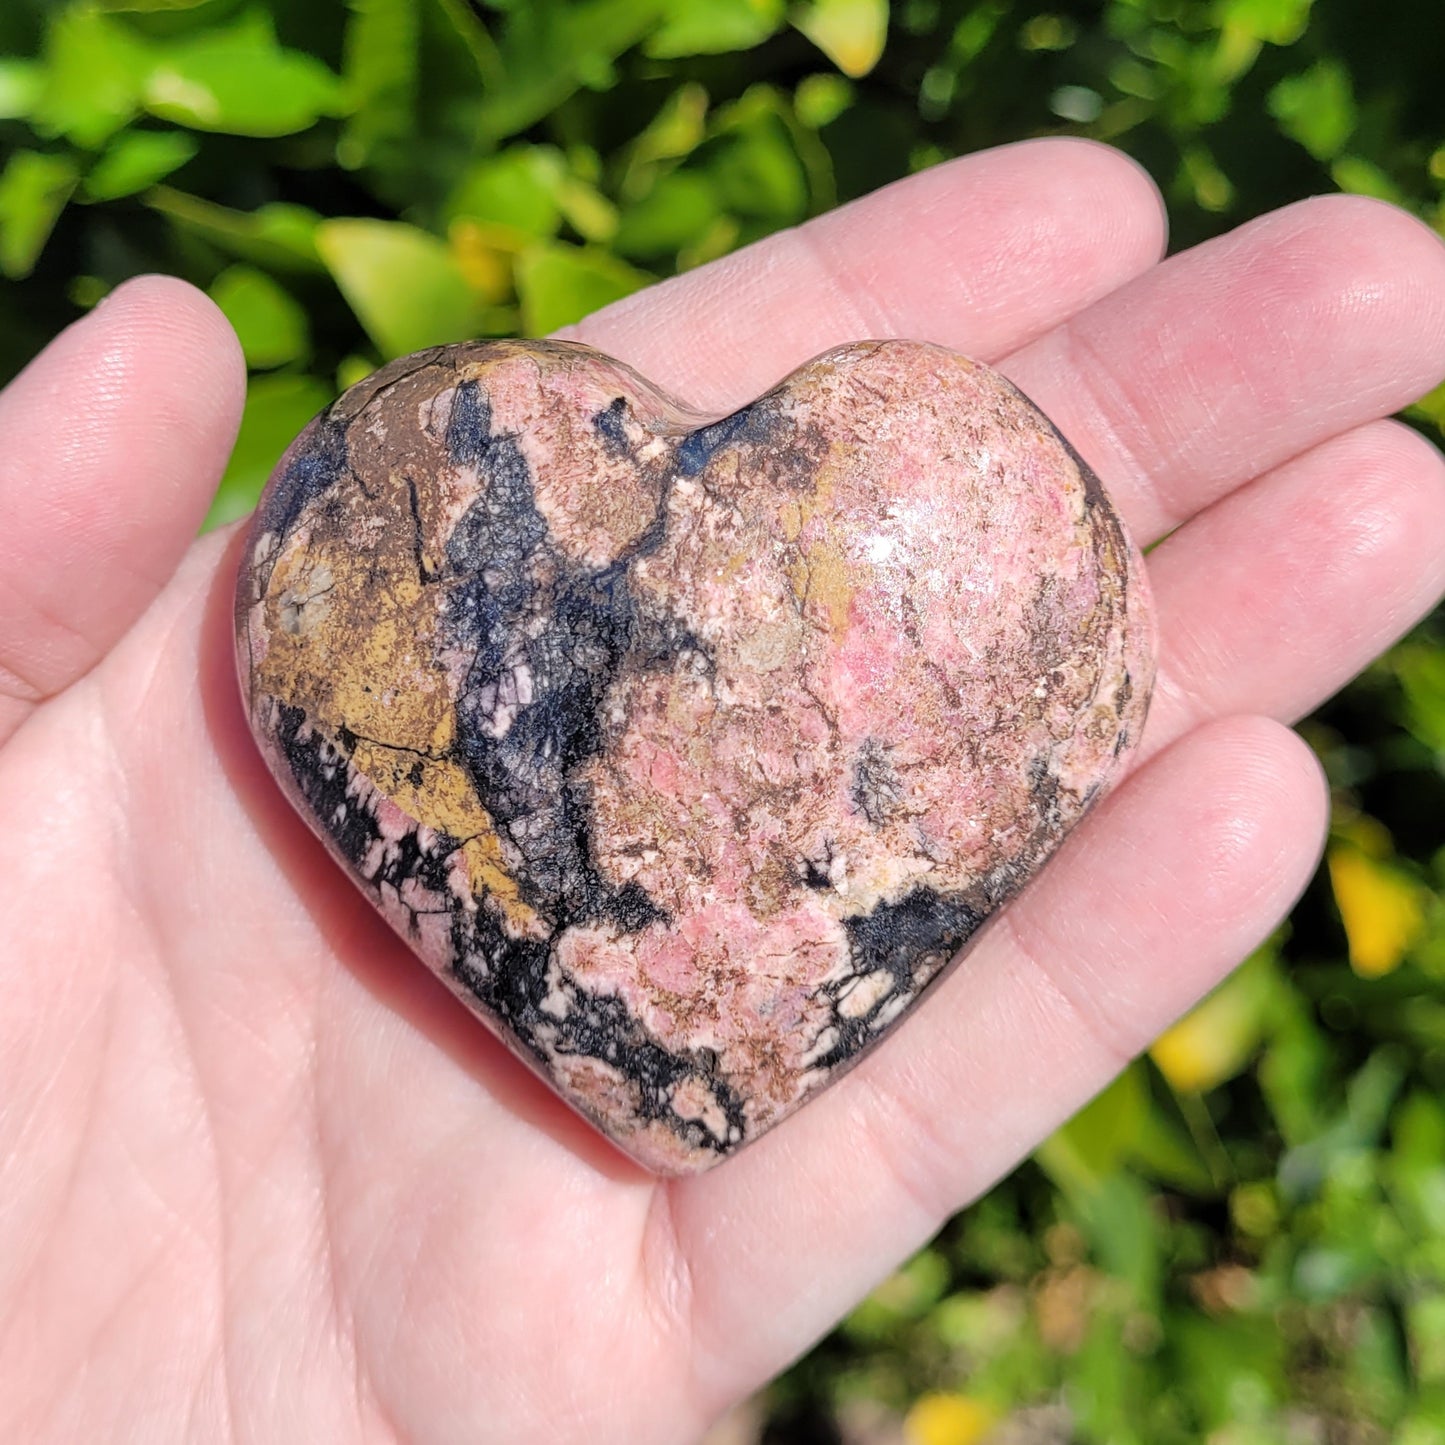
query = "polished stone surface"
{"x": 689, "y": 753}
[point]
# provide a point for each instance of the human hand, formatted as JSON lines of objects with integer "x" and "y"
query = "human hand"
{"x": 262, "y": 1179}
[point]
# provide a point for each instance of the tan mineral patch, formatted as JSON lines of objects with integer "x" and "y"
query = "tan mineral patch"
{"x": 363, "y": 661}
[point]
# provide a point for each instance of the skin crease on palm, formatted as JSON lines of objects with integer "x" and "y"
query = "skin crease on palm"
{"x": 262, "y": 1180}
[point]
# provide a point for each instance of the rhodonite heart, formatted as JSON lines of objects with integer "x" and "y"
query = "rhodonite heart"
{"x": 688, "y": 753}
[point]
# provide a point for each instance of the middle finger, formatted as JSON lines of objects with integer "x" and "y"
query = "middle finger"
{"x": 1233, "y": 357}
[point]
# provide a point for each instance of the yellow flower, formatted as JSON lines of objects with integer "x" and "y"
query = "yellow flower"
{"x": 1219, "y": 1037}
{"x": 1381, "y": 908}
{"x": 948, "y": 1419}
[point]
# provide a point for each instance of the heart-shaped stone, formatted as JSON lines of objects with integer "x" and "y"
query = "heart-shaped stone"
{"x": 689, "y": 753}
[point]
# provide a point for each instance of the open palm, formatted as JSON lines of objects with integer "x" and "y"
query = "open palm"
{"x": 262, "y": 1179}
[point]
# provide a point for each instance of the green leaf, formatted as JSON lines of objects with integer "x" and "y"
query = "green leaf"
{"x": 1425, "y": 1323}
{"x": 754, "y": 163}
{"x": 95, "y": 71}
{"x": 271, "y": 326}
{"x": 33, "y": 191}
{"x": 550, "y": 49}
{"x": 1100, "y": 1137}
{"x": 277, "y": 408}
{"x": 1421, "y": 671}
{"x": 851, "y": 33}
{"x": 1363, "y": 177}
{"x": 1317, "y": 108}
{"x": 1231, "y": 1373}
{"x": 1371, "y": 1093}
{"x": 152, "y": 5}
{"x": 383, "y": 43}
{"x": 1277, "y": 22}
{"x": 821, "y": 99}
{"x": 712, "y": 27}
{"x": 136, "y": 160}
{"x": 675, "y": 213}
{"x": 1431, "y": 408}
{"x": 516, "y": 188}
{"x": 558, "y": 284}
{"x": 404, "y": 284}
{"x": 22, "y": 83}
{"x": 907, "y": 1294}
{"x": 353, "y": 368}
{"x": 277, "y": 237}
{"x": 1165, "y": 1154}
{"x": 586, "y": 209}
{"x": 1207, "y": 185}
{"x": 677, "y": 129}
{"x": 240, "y": 81}
{"x": 1115, "y": 1219}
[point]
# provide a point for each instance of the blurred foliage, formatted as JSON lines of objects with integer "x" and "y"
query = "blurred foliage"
{"x": 1243, "y": 1239}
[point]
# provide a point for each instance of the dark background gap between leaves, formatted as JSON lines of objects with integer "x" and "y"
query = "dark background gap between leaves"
{"x": 1243, "y": 1240}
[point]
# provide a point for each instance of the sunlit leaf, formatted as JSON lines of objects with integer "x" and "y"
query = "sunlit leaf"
{"x": 586, "y": 209}
{"x": 718, "y": 240}
{"x": 242, "y": 82}
{"x": 708, "y": 27}
{"x": 22, "y": 83}
{"x": 517, "y": 187}
{"x": 95, "y": 72}
{"x": 851, "y": 33}
{"x": 1382, "y": 909}
{"x": 1425, "y": 1327}
{"x": 559, "y": 284}
{"x": 1098, "y": 1139}
{"x": 1048, "y": 32}
{"x": 978, "y": 27}
{"x": 1420, "y": 668}
{"x": 352, "y": 369}
{"x": 270, "y": 324}
{"x": 948, "y": 1419}
{"x": 277, "y": 408}
{"x": 1278, "y": 22}
{"x": 821, "y": 99}
{"x": 404, "y": 284}
{"x": 1254, "y": 1208}
{"x": 1362, "y": 177}
{"x": 1209, "y": 187}
{"x": 1431, "y": 408}
{"x": 676, "y": 130}
{"x": 136, "y": 160}
{"x": 33, "y": 191}
{"x": 1316, "y": 108}
{"x": 278, "y": 236}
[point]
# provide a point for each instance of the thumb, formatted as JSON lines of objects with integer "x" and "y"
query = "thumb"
{"x": 111, "y": 443}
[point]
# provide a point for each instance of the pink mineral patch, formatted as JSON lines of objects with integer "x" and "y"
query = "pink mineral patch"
{"x": 689, "y": 754}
